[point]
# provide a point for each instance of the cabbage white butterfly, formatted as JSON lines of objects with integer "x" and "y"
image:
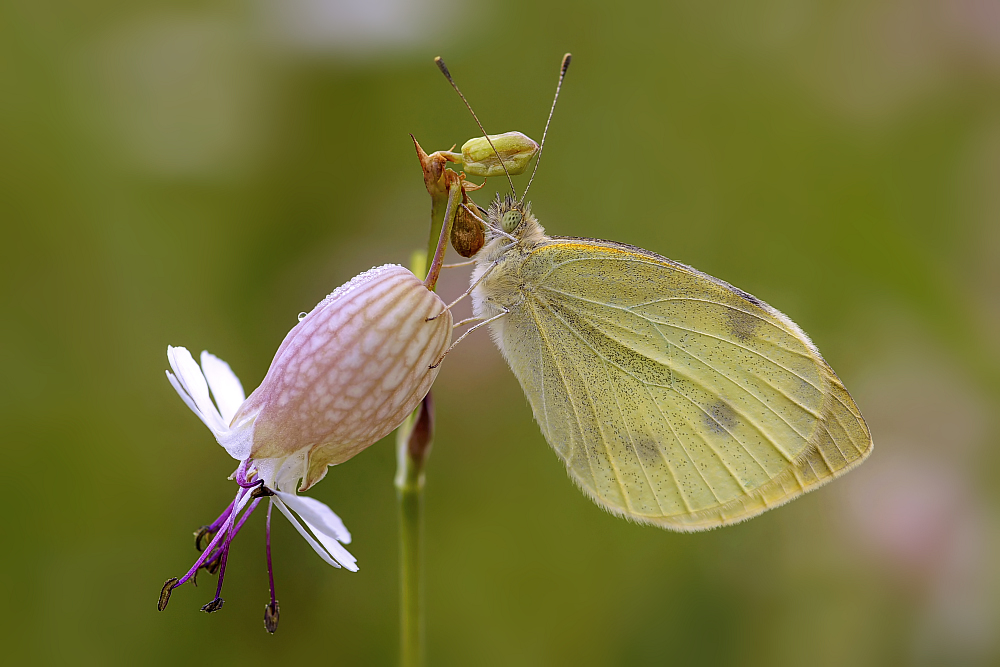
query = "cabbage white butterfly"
{"x": 673, "y": 398}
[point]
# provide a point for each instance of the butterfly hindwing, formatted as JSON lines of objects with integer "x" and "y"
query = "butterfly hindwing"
{"x": 672, "y": 397}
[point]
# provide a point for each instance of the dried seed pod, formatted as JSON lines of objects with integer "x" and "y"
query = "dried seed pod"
{"x": 467, "y": 234}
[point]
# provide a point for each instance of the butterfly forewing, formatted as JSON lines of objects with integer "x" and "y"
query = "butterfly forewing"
{"x": 672, "y": 397}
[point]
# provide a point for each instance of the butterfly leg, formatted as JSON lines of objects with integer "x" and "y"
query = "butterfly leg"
{"x": 471, "y": 329}
{"x": 455, "y": 266}
{"x": 486, "y": 223}
{"x": 473, "y": 285}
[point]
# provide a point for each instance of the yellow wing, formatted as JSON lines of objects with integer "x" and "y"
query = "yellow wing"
{"x": 674, "y": 398}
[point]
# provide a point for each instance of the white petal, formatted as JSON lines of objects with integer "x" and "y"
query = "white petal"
{"x": 237, "y": 441}
{"x": 266, "y": 469}
{"x": 317, "y": 514}
{"x": 281, "y": 473}
{"x": 302, "y": 531}
{"x": 292, "y": 469}
{"x": 188, "y": 401}
{"x": 342, "y": 555}
{"x": 190, "y": 377}
{"x": 226, "y": 387}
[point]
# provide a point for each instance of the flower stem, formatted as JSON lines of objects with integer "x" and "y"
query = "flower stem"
{"x": 411, "y": 589}
{"x": 413, "y": 438}
{"x": 413, "y": 446}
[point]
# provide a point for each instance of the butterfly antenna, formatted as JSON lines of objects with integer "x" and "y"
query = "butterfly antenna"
{"x": 447, "y": 75}
{"x": 562, "y": 75}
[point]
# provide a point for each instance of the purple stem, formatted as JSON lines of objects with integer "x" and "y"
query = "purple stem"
{"x": 241, "y": 472}
{"x": 215, "y": 525}
{"x": 230, "y": 535}
{"x": 234, "y": 531}
{"x": 243, "y": 519}
{"x": 241, "y": 476}
{"x": 211, "y": 545}
{"x": 222, "y": 570}
{"x": 267, "y": 548}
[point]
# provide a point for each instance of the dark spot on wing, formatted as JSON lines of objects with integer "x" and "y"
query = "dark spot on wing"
{"x": 741, "y": 323}
{"x": 749, "y": 297}
{"x": 648, "y": 450}
{"x": 720, "y": 417}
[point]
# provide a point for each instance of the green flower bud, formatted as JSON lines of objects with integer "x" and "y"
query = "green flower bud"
{"x": 516, "y": 149}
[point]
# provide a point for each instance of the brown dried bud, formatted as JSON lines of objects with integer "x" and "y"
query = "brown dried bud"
{"x": 467, "y": 234}
{"x": 202, "y": 537}
{"x": 168, "y": 586}
{"x": 213, "y": 606}
{"x": 261, "y": 492}
{"x": 271, "y": 617}
{"x": 213, "y": 564}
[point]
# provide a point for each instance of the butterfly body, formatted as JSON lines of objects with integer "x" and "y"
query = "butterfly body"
{"x": 673, "y": 398}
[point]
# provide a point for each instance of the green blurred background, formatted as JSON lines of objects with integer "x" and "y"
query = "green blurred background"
{"x": 198, "y": 173}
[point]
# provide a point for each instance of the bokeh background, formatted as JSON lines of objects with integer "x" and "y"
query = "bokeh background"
{"x": 198, "y": 173}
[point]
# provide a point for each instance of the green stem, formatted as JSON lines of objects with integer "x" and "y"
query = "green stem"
{"x": 435, "y": 252}
{"x": 439, "y": 205}
{"x": 413, "y": 443}
{"x": 410, "y": 492}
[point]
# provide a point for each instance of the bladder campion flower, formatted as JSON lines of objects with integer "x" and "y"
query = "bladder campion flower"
{"x": 344, "y": 377}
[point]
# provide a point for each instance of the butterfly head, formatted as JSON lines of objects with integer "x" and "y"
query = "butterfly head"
{"x": 513, "y": 217}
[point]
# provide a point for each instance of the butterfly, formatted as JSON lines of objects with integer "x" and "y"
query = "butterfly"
{"x": 672, "y": 397}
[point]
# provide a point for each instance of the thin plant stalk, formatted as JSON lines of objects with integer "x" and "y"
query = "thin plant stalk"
{"x": 413, "y": 442}
{"x": 414, "y": 437}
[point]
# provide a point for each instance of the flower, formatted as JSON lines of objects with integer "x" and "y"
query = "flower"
{"x": 345, "y": 376}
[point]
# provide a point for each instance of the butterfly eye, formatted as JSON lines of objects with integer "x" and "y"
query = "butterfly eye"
{"x": 510, "y": 220}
